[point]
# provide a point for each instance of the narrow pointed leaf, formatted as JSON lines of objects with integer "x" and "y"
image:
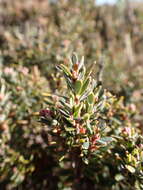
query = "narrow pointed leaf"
{"x": 78, "y": 85}
{"x": 65, "y": 70}
{"x": 90, "y": 98}
{"x": 85, "y": 86}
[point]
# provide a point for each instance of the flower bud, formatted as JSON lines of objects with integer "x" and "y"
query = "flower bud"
{"x": 45, "y": 112}
{"x": 82, "y": 130}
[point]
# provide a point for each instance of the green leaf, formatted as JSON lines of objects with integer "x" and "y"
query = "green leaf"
{"x": 106, "y": 139}
{"x": 90, "y": 98}
{"x": 21, "y": 159}
{"x": 116, "y": 120}
{"x": 90, "y": 108}
{"x": 85, "y": 95}
{"x": 89, "y": 127}
{"x": 64, "y": 112}
{"x": 69, "y": 83}
{"x": 119, "y": 177}
{"x": 69, "y": 129}
{"x": 85, "y": 145}
{"x": 86, "y": 116}
{"x": 77, "y": 86}
{"x": 81, "y": 64}
{"x": 74, "y": 58}
{"x": 130, "y": 168}
{"x": 85, "y": 160}
{"x": 85, "y": 86}
{"x": 65, "y": 70}
{"x": 66, "y": 105}
{"x": 77, "y": 110}
{"x": 101, "y": 92}
{"x": 47, "y": 101}
{"x": 101, "y": 142}
{"x": 61, "y": 158}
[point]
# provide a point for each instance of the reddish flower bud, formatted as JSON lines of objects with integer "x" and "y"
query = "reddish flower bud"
{"x": 82, "y": 130}
{"x": 93, "y": 148}
{"x": 95, "y": 138}
{"x": 45, "y": 112}
{"x": 75, "y": 67}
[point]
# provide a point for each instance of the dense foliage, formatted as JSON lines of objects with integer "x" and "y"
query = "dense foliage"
{"x": 90, "y": 137}
{"x": 88, "y": 129}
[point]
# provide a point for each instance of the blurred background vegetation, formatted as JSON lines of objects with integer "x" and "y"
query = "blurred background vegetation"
{"x": 35, "y": 36}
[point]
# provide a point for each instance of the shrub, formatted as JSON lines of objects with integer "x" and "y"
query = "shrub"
{"x": 84, "y": 130}
{"x": 20, "y": 135}
{"x": 92, "y": 134}
{"x": 32, "y": 40}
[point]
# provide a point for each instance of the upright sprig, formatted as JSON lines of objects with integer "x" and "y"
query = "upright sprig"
{"x": 79, "y": 116}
